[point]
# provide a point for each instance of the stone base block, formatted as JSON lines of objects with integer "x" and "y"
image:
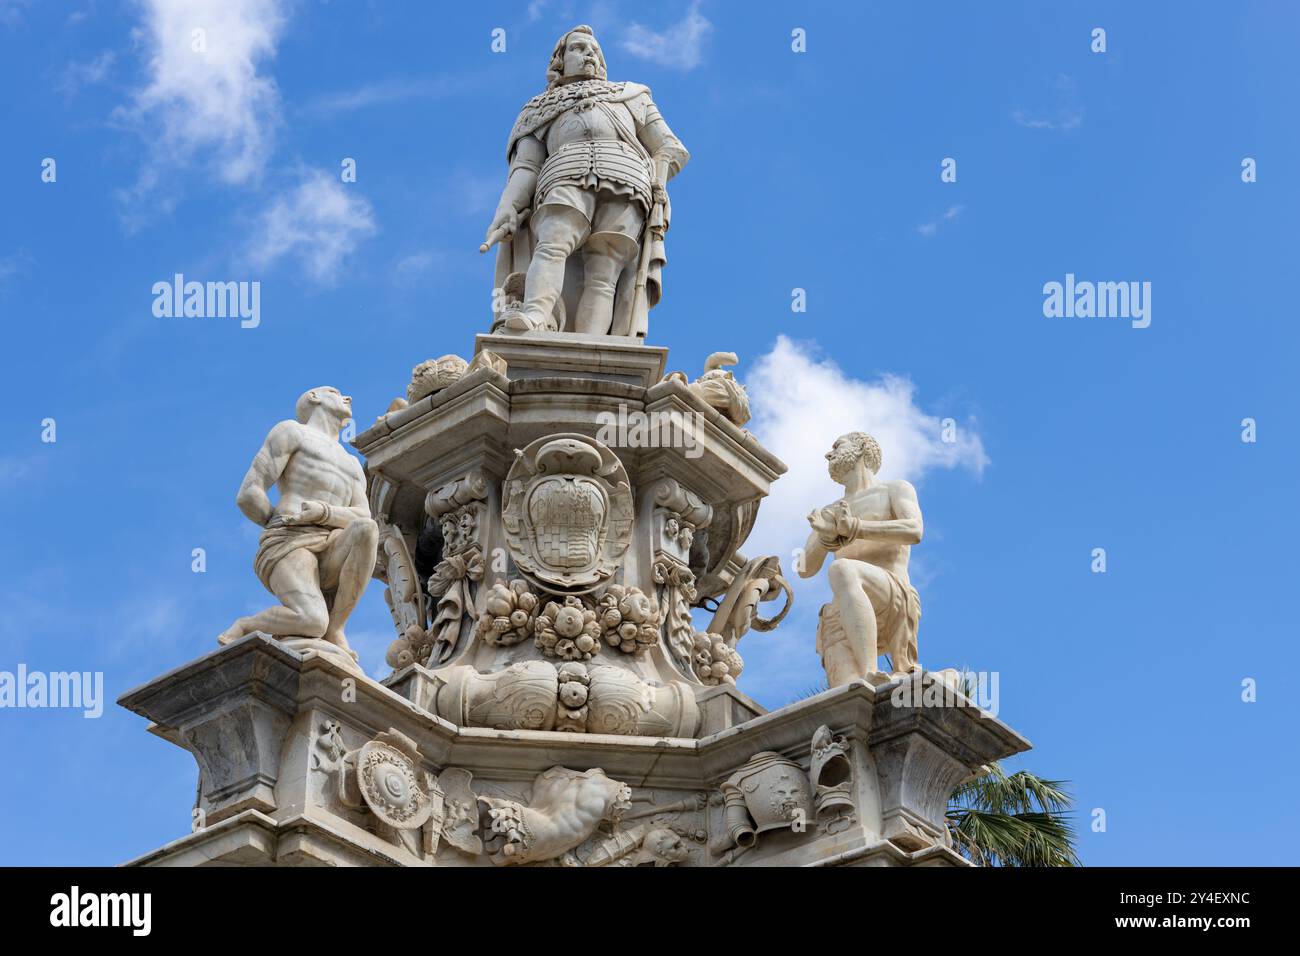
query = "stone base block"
{"x": 304, "y": 762}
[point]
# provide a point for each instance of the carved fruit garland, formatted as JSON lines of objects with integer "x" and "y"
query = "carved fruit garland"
{"x": 508, "y": 612}
{"x": 629, "y": 619}
{"x": 568, "y": 631}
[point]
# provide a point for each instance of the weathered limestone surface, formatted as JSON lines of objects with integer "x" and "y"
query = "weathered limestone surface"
{"x": 845, "y": 777}
{"x": 547, "y": 518}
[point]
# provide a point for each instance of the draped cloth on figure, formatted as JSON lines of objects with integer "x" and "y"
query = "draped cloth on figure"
{"x": 280, "y": 540}
{"x": 896, "y": 627}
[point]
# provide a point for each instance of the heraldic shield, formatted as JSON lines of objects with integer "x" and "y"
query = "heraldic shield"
{"x": 568, "y": 512}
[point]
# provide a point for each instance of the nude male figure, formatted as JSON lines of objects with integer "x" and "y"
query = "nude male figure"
{"x": 318, "y": 550}
{"x": 870, "y": 531}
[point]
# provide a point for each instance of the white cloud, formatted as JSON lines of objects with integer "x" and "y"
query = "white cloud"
{"x": 11, "y": 11}
{"x": 417, "y": 266}
{"x": 319, "y": 223}
{"x": 215, "y": 100}
{"x": 12, "y": 266}
{"x": 389, "y": 92}
{"x": 1065, "y": 116}
{"x": 679, "y": 47}
{"x": 928, "y": 229}
{"x": 802, "y": 402}
{"x": 78, "y": 75}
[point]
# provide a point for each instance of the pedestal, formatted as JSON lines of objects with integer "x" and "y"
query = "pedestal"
{"x": 304, "y": 763}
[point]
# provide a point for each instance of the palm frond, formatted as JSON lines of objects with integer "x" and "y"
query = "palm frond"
{"x": 812, "y": 691}
{"x": 1019, "y": 819}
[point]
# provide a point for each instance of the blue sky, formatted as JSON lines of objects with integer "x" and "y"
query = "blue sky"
{"x": 818, "y": 171}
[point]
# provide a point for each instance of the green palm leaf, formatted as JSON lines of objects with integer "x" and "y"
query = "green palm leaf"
{"x": 1019, "y": 819}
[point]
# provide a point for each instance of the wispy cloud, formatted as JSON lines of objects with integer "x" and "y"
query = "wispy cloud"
{"x": 928, "y": 229}
{"x": 319, "y": 223}
{"x": 11, "y": 11}
{"x": 77, "y": 76}
{"x": 15, "y": 469}
{"x": 13, "y": 265}
{"x": 413, "y": 268}
{"x": 803, "y": 401}
{"x": 389, "y": 92}
{"x": 208, "y": 93}
{"x": 677, "y": 47}
{"x": 1065, "y": 115}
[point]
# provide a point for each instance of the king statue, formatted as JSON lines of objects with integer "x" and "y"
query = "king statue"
{"x": 582, "y": 219}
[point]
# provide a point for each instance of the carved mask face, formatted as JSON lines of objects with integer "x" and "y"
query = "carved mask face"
{"x": 786, "y": 796}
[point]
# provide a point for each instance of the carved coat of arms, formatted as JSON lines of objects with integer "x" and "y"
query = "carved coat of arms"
{"x": 567, "y": 512}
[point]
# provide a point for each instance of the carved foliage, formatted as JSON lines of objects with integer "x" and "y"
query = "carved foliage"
{"x": 509, "y": 612}
{"x": 629, "y": 620}
{"x": 404, "y": 598}
{"x": 675, "y": 584}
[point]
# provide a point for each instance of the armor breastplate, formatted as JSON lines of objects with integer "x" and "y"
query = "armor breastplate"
{"x": 588, "y": 161}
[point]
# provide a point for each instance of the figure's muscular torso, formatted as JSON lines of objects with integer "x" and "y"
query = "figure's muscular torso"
{"x": 875, "y": 503}
{"x": 318, "y": 469}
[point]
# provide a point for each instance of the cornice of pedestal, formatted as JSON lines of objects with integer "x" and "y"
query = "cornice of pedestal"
{"x": 267, "y": 724}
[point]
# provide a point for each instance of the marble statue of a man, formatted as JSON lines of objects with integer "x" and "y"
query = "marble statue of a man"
{"x": 582, "y": 219}
{"x": 874, "y": 608}
{"x": 317, "y": 551}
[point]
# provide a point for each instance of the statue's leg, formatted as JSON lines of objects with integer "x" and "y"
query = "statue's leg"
{"x": 345, "y": 568}
{"x": 609, "y": 250}
{"x": 858, "y": 589}
{"x": 295, "y": 582}
{"x": 559, "y": 230}
{"x": 840, "y": 661}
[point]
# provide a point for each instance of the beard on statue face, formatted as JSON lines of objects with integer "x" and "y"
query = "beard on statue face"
{"x": 840, "y": 464}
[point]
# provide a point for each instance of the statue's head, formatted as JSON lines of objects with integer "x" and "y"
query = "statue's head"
{"x": 330, "y": 400}
{"x": 848, "y": 450}
{"x": 577, "y": 56}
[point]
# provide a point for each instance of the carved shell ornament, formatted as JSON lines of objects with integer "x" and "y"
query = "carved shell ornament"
{"x": 391, "y": 788}
{"x": 567, "y": 512}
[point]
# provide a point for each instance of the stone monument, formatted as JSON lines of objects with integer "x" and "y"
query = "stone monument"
{"x": 548, "y": 518}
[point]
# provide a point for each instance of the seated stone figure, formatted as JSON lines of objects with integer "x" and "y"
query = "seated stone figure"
{"x": 870, "y": 531}
{"x": 317, "y": 551}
